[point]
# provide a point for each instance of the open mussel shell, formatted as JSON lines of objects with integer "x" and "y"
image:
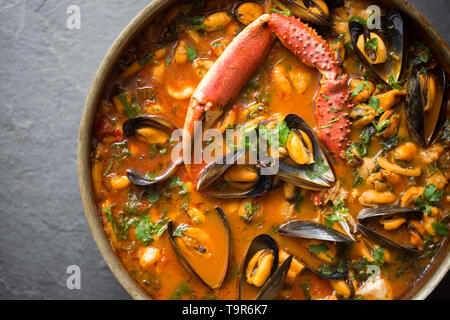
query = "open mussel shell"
{"x": 131, "y": 128}
{"x": 211, "y": 268}
{"x": 296, "y": 237}
{"x": 303, "y": 175}
{"x": 275, "y": 281}
{"x": 393, "y": 37}
{"x": 314, "y": 11}
{"x": 246, "y": 12}
{"x": 368, "y": 224}
{"x": 313, "y": 230}
{"x": 426, "y": 102}
{"x": 211, "y": 184}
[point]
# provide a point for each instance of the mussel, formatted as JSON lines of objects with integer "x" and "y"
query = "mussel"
{"x": 314, "y": 11}
{"x": 383, "y": 54}
{"x": 260, "y": 277}
{"x": 247, "y": 11}
{"x": 307, "y": 164}
{"x": 317, "y": 246}
{"x": 390, "y": 226}
{"x": 225, "y": 178}
{"x": 156, "y": 131}
{"x": 426, "y": 104}
{"x": 193, "y": 246}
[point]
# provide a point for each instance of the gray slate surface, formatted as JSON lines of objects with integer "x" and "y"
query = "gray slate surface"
{"x": 45, "y": 72}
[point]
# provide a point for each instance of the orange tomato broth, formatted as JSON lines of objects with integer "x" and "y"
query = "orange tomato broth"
{"x": 168, "y": 278}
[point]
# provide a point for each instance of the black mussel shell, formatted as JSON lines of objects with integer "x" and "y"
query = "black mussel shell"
{"x": 394, "y": 38}
{"x": 271, "y": 289}
{"x": 304, "y": 12}
{"x": 214, "y": 170}
{"x": 313, "y": 230}
{"x": 185, "y": 262}
{"x": 424, "y": 127}
{"x": 261, "y": 242}
{"x": 130, "y": 128}
{"x": 302, "y": 175}
{"x": 335, "y": 3}
{"x": 293, "y": 234}
{"x": 385, "y": 211}
{"x": 367, "y": 215}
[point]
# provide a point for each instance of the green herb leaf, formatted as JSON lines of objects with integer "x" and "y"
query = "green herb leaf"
{"x": 111, "y": 218}
{"x": 176, "y": 182}
{"x": 357, "y": 179}
{"x": 146, "y": 59}
{"x": 191, "y": 53}
{"x": 286, "y": 12}
{"x": 331, "y": 218}
{"x": 181, "y": 290}
{"x": 394, "y": 83}
{"x": 363, "y": 84}
{"x": 432, "y": 194}
{"x": 298, "y": 202}
{"x": 318, "y": 248}
{"x": 368, "y": 132}
{"x": 441, "y": 229}
{"x": 374, "y": 103}
{"x": 371, "y": 44}
{"x": 179, "y": 231}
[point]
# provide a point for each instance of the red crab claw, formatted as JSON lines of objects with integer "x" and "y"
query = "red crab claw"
{"x": 226, "y": 77}
{"x": 332, "y": 115}
{"x": 305, "y": 43}
{"x": 332, "y": 101}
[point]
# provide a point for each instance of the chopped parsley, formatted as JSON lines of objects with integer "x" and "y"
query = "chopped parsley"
{"x": 431, "y": 193}
{"x": 367, "y": 133}
{"x": 111, "y": 218}
{"x": 146, "y": 59}
{"x": 339, "y": 38}
{"x": 331, "y": 218}
{"x": 179, "y": 231}
{"x": 360, "y": 87}
{"x": 279, "y": 135}
{"x": 441, "y": 229}
{"x": 374, "y": 103}
{"x": 371, "y": 44}
{"x": 317, "y": 168}
{"x": 191, "y": 53}
{"x": 131, "y": 111}
{"x": 394, "y": 83}
{"x": 133, "y": 204}
{"x": 250, "y": 210}
{"x": 357, "y": 179}
{"x": 146, "y": 229}
{"x": 176, "y": 182}
{"x": 298, "y": 202}
{"x": 382, "y": 126}
{"x": 181, "y": 290}
{"x": 286, "y": 12}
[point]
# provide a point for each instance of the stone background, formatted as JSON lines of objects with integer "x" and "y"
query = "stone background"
{"x": 45, "y": 73}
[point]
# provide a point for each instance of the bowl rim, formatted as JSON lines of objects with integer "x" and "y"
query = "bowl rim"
{"x": 439, "y": 46}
